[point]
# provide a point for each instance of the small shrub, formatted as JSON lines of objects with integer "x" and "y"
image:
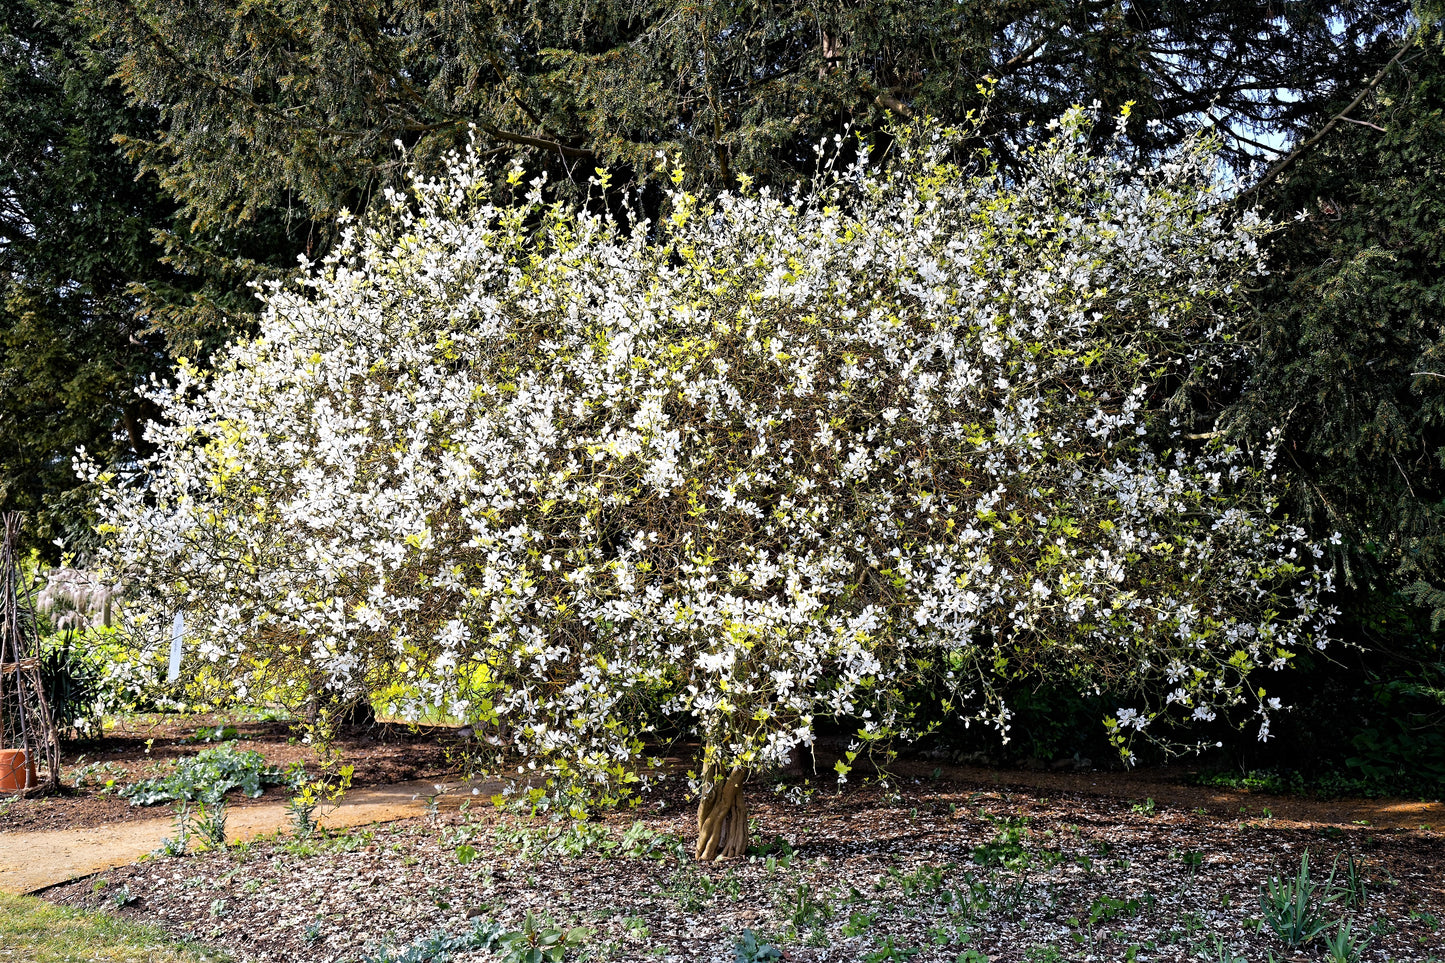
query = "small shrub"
{"x": 1345, "y": 946}
{"x": 72, "y": 679}
{"x": 923, "y": 881}
{"x": 302, "y": 812}
{"x": 1006, "y": 849}
{"x": 804, "y": 909}
{"x": 1425, "y": 916}
{"x": 538, "y": 942}
{"x": 1350, "y": 887}
{"x": 209, "y": 822}
{"x": 889, "y": 953}
{"x": 213, "y": 734}
{"x": 209, "y": 774}
{"x": 642, "y": 842}
{"x": 1145, "y": 808}
{"x": 180, "y": 843}
{"x": 1106, "y": 909}
{"x": 582, "y": 838}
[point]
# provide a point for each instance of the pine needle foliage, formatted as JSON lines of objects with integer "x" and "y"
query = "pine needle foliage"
{"x": 296, "y": 106}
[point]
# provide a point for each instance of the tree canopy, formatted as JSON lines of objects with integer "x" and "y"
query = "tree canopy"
{"x": 74, "y": 237}
{"x": 1350, "y": 371}
{"x": 1351, "y": 367}
{"x": 252, "y": 125}
{"x": 294, "y": 105}
{"x": 778, "y": 458}
{"x": 258, "y": 122}
{"x": 100, "y": 281}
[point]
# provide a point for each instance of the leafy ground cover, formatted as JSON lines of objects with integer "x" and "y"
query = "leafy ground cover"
{"x": 38, "y": 932}
{"x": 941, "y": 866}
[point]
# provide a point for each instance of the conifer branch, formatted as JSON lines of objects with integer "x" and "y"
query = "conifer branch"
{"x": 1334, "y": 122}
{"x": 526, "y": 140}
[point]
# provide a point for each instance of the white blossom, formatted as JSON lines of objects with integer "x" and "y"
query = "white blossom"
{"x": 771, "y": 459}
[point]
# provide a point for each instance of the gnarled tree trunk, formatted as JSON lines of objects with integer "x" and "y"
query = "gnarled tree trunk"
{"x": 722, "y": 815}
{"x": 341, "y": 711}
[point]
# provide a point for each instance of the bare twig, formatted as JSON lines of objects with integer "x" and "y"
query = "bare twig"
{"x": 1408, "y": 487}
{"x": 1364, "y": 123}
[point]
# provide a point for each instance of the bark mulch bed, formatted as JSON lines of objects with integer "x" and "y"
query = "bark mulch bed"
{"x": 947, "y": 864}
{"x": 143, "y": 746}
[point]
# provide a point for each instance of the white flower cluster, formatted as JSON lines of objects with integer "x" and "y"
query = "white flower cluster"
{"x": 772, "y": 459}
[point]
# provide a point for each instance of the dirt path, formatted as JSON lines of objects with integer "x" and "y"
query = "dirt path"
{"x": 31, "y": 861}
{"x": 1168, "y": 788}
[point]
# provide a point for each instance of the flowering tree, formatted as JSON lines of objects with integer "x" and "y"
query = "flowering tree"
{"x": 772, "y": 460}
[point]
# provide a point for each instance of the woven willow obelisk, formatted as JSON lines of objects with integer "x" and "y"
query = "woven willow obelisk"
{"x": 25, "y": 722}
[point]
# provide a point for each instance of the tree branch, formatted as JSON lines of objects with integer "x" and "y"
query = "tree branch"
{"x": 1365, "y": 123}
{"x": 1334, "y": 122}
{"x": 13, "y": 233}
{"x": 517, "y": 97}
{"x": 893, "y": 105}
{"x": 539, "y": 142}
{"x": 1021, "y": 58}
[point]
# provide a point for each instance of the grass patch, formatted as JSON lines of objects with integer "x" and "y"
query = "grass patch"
{"x": 40, "y": 932}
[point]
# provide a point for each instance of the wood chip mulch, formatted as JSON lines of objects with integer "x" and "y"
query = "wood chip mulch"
{"x": 940, "y": 868}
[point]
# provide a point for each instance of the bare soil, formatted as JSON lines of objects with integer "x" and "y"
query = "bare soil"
{"x": 145, "y": 746}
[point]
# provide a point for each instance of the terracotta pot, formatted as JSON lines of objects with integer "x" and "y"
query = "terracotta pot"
{"x": 17, "y": 772}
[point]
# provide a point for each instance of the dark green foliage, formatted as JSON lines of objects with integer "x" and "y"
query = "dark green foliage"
{"x": 1007, "y": 847}
{"x": 1049, "y": 724}
{"x": 82, "y": 280}
{"x": 74, "y": 234}
{"x": 71, "y": 678}
{"x": 1353, "y": 366}
{"x": 1402, "y": 742}
{"x": 1056, "y": 723}
{"x": 1362, "y": 725}
{"x": 1295, "y": 908}
{"x": 538, "y": 941}
{"x": 439, "y": 946}
{"x": 1352, "y": 371}
{"x": 748, "y": 949}
{"x": 290, "y": 105}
